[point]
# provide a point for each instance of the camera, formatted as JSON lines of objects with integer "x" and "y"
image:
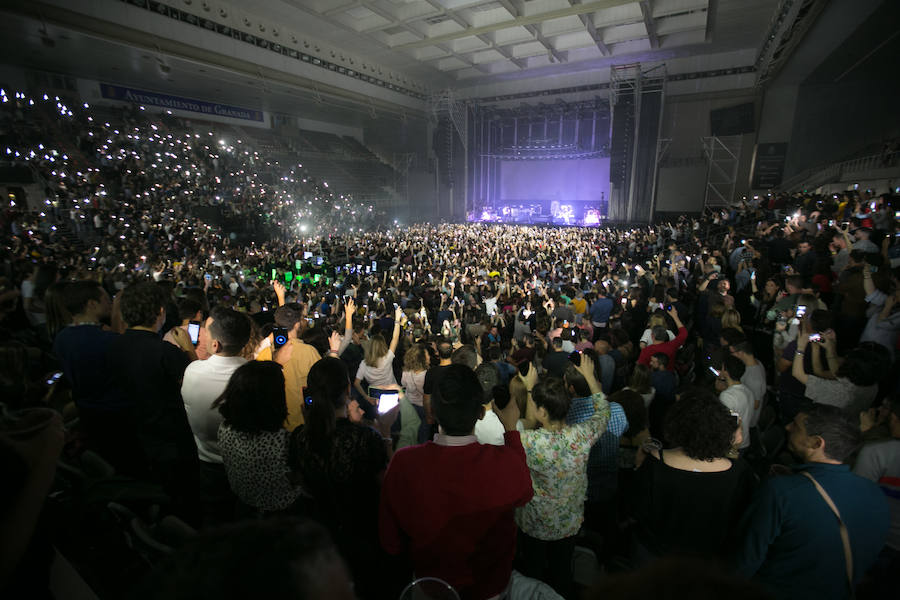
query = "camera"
{"x": 387, "y": 399}
{"x": 279, "y": 337}
{"x": 194, "y": 332}
{"x": 575, "y": 358}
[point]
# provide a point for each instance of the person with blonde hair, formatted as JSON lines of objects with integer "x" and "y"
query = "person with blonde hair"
{"x": 657, "y": 318}
{"x": 415, "y": 364}
{"x": 731, "y": 318}
{"x": 377, "y": 367}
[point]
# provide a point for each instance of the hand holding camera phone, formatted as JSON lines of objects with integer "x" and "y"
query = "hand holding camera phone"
{"x": 279, "y": 337}
{"x": 194, "y": 332}
{"x": 385, "y": 399}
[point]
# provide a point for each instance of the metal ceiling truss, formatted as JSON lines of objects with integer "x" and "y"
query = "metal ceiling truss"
{"x": 791, "y": 21}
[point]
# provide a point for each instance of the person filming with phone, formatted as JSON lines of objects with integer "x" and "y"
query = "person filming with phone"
{"x": 204, "y": 381}
{"x": 377, "y": 368}
{"x": 297, "y": 360}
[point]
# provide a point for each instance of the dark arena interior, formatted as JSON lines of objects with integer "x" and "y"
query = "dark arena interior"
{"x": 449, "y": 299}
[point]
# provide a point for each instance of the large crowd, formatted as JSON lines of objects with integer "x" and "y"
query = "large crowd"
{"x": 327, "y": 397}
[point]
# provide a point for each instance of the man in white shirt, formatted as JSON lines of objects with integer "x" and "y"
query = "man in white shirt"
{"x": 754, "y": 376}
{"x": 735, "y": 395}
{"x": 204, "y": 381}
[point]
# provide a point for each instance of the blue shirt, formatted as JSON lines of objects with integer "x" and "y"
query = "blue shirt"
{"x": 601, "y": 309}
{"x": 603, "y": 461}
{"x": 790, "y": 540}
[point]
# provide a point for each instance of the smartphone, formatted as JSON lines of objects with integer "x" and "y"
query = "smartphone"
{"x": 872, "y": 206}
{"x": 575, "y": 358}
{"x": 815, "y": 337}
{"x": 274, "y": 274}
{"x": 194, "y": 331}
{"x": 753, "y": 275}
{"x": 374, "y": 265}
{"x": 662, "y": 306}
{"x": 387, "y": 399}
{"x": 297, "y": 264}
{"x": 565, "y": 324}
{"x": 714, "y": 372}
{"x": 307, "y": 255}
{"x": 279, "y": 337}
{"x": 801, "y": 310}
{"x": 501, "y": 396}
{"x": 53, "y": 378}
{"x": 624, "y": 301}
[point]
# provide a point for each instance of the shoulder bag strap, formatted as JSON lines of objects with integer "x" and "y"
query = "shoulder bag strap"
{"x": 845, "y": 535}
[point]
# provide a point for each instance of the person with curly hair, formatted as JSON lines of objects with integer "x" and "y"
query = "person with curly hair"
{"x": 687, "y": 498}
{"x": 148, "y": 372}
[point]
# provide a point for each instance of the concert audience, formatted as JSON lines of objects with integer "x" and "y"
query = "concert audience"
{"x": 477, "y": 322}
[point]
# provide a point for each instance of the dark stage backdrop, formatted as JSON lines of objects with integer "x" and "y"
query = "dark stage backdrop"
{"x": 565, "y": 181}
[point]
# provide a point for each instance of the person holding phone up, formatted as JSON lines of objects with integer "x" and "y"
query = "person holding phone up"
{"x": 377, "y": 366}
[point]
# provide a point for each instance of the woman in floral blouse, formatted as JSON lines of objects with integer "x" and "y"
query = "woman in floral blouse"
{"x": 557, "y": 456}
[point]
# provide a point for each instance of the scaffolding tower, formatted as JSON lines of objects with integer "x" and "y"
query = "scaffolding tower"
{"x": 446, "y": 107}
{"x": 723, "y": 156}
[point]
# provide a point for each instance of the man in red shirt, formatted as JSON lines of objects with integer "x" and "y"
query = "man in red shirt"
{"x": 659, "y": 341}
{"x": 448, "y": 504}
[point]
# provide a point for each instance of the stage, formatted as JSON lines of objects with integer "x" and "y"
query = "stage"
{"x": 561, "y": 191}
{"x": 548, "y": 212}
